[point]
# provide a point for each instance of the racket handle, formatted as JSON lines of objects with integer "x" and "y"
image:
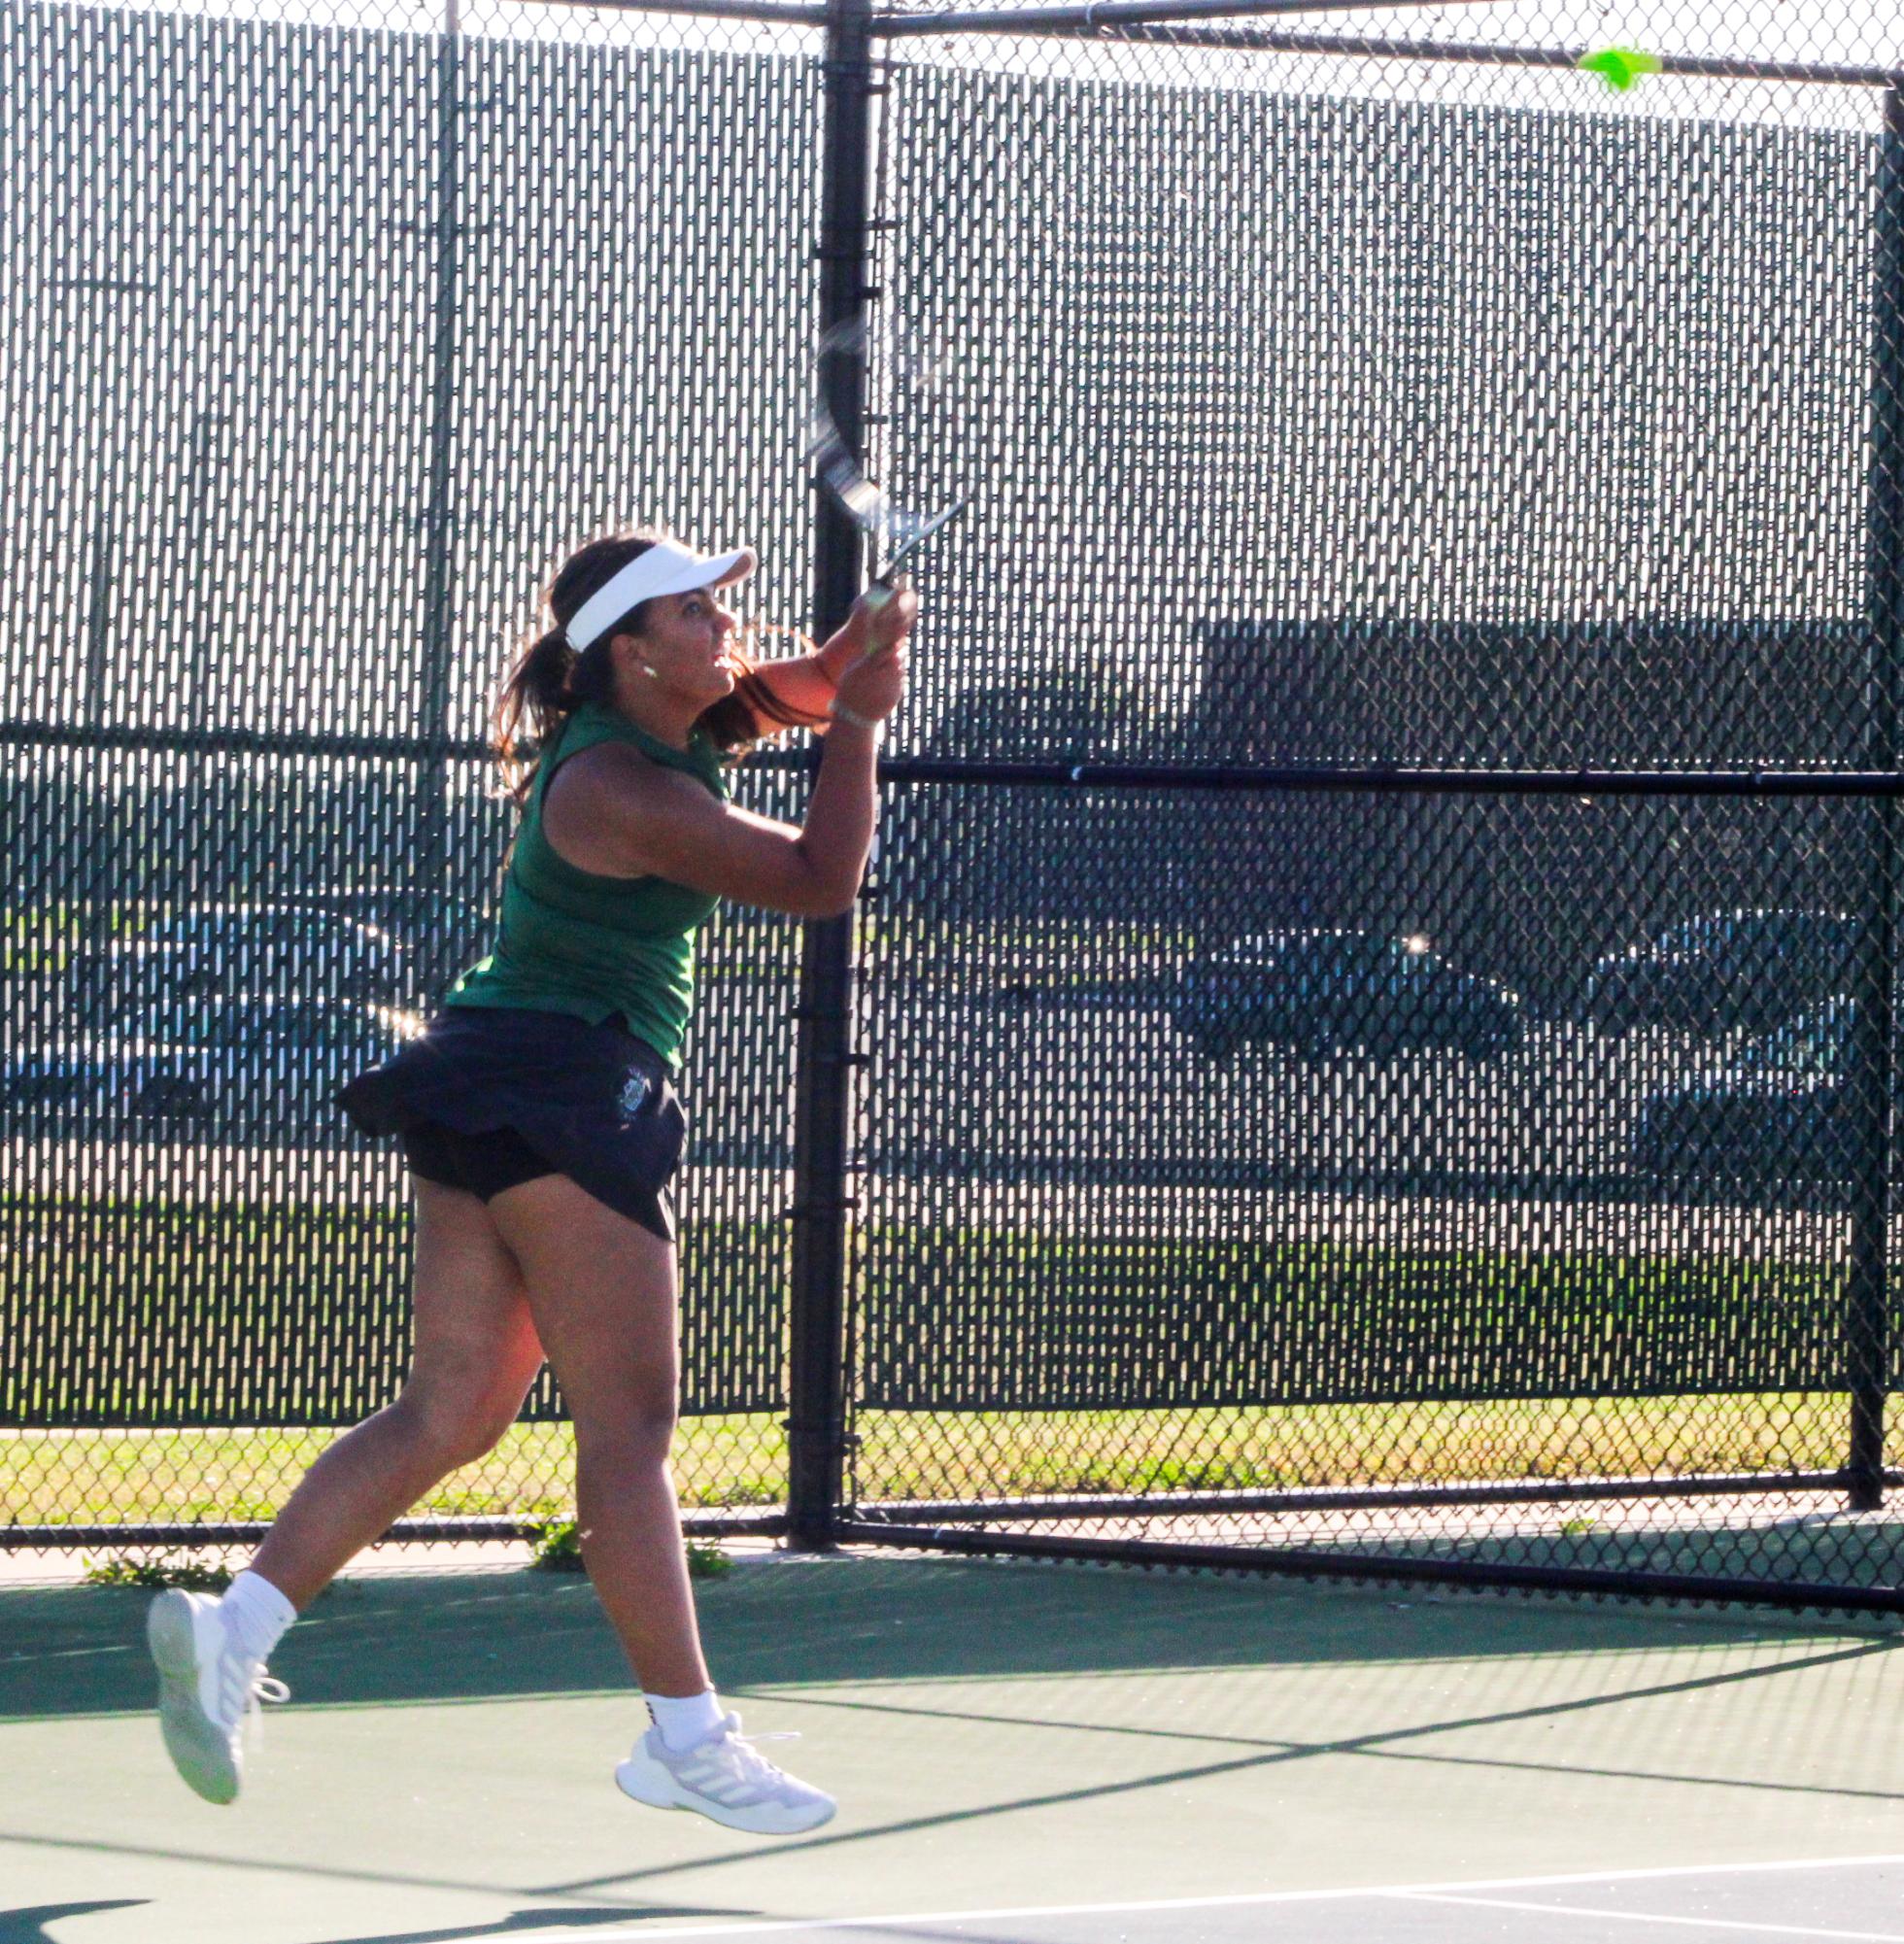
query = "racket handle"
{"x": 877, "y": 596}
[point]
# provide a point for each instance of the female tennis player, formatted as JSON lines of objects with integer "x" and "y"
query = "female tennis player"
{"x": 541, "y": 1127}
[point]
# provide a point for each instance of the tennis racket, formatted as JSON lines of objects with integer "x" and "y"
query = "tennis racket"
{"x": 896, "y": 532}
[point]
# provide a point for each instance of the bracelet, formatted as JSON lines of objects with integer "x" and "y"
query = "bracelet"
{"x": 841, "y": 713}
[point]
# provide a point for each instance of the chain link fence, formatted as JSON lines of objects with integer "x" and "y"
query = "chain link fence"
{"x": 1371, "y": 1029}
{"x": 328, "y": 335}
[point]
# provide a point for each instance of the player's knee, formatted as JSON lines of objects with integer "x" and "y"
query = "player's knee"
{"x": 483, "y": 1427}
{"x": 640, "y": 1430}
{"x": 459, "y": 1423}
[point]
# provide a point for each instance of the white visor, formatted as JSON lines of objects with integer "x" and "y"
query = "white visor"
{"x": 666, "y": 567}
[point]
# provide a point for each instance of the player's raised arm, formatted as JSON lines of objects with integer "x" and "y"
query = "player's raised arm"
{"x": 657, "y": 822}
{"x": 797, "y": 691}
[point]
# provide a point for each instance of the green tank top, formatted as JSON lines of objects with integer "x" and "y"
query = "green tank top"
{"x": 574, "y": 942}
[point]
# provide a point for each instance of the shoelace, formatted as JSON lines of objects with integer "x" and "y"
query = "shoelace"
{"x": 260, "y": 1686}
{"x": 750, "y": 1758}
{"x": 265, "y": 1688}
{"x": 749, "y": 1740}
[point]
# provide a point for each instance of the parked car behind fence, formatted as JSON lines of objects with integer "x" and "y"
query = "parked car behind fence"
{"x": 1326, "y": 991}
{"x": 1780, "y": 1116}
{"x": 244, "y": 1067}
{"x": 240, "y": 949}
{"x": 107, "y": 983}
{"x": 1725, "y": 971}
{"x": 440, "y": 936}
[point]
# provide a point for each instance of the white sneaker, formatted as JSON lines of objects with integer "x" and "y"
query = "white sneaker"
{"x": 207, "y": 1691}
{"x": 725, "y": 1778}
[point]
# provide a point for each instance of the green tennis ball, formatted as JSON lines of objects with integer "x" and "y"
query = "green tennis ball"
{"x": 1620, "y": 66}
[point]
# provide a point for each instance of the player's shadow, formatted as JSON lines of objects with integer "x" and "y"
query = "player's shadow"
{"x": 517, "y": 1638}
{"x": 560, "y": 1917}
{"x": 28, "y": 1926}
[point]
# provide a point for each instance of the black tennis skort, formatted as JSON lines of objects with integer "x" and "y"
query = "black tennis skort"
{"x": 485, "y": 1092}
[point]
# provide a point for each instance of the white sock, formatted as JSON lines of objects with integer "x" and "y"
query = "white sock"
{"x": 684, "y": 1719}
{"x": 257, "y": 1615}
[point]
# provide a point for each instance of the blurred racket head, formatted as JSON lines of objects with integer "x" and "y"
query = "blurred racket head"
{"x": 907, "y": 381}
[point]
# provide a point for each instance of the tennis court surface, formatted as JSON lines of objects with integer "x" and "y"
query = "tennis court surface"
{"x": 1023, "y": 1755}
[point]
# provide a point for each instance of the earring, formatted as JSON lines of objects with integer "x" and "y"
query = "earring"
{"x": 646, "y": 670}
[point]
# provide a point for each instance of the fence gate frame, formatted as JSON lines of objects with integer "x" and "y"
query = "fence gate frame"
{"x": 821, "y": 1509}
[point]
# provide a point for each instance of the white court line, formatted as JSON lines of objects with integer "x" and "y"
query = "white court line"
{"x": 1650, "y": 1916}
{"x": 58, "y": 1654}
{"x": 781, "y": 1926}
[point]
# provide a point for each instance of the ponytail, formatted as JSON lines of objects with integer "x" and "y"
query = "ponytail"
{"x": 529, "y": 706}
{"x": 548, "y": 680}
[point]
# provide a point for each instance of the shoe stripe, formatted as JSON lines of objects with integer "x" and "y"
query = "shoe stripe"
{"x": 724, "y": 1784}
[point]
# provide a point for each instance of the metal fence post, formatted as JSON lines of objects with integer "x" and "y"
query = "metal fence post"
{"x": 1867, "y": 1333}
{"x": 816, "y": 1424}
{"x": 440, "y": 526}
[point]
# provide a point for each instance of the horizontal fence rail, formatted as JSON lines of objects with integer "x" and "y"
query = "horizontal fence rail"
{"x": 1158, "y": 21}
{"x": 1385, "y": 777}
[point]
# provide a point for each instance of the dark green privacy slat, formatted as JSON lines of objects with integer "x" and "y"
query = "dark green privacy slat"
{"x": 218, "y": 450}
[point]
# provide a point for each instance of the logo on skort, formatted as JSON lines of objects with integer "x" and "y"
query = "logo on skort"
{"x": 635, "y": 1090}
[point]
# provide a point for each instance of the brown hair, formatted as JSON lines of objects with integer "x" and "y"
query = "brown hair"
{"x": 734, "y": 721}
{"x": 549, "y": 680}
